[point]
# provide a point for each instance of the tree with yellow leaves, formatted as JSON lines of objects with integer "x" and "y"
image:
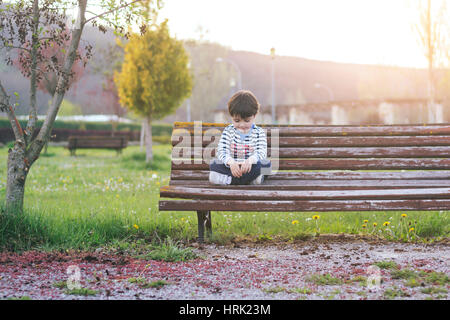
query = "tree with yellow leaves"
{"x": 155, "y": 78}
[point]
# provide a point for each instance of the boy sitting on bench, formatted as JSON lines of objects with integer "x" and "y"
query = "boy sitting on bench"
{"x": 242, "y": 149}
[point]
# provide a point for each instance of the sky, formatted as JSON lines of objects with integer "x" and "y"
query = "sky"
{"x": 351, "y": 31}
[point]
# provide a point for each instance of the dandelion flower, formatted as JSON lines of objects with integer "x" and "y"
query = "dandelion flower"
{"x": 365, "y": 221}
{"x": 375, "y": 224}
{"x": 295, "y": 222}
{"x": 364, "y": 226}
{"x": 386, "y": 223}
{"x": 411, "y": 230}
{"x": 316, "y": 217}
{"x": 404, "y": 215}
{"x": 136, "y": 226}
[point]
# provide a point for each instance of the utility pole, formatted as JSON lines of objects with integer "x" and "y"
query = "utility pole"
{"x": 272, "y": 54}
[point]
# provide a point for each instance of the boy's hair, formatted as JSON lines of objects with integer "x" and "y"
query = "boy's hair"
{"x": 244, "y": 104}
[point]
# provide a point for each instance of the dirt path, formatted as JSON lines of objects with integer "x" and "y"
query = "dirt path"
{"x": 244, "y": 271}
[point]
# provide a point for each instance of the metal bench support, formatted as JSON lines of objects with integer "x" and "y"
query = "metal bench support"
{"x": 204, "y": 222}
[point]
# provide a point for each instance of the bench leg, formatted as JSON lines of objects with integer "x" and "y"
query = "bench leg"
{"x": 204, "y": 221}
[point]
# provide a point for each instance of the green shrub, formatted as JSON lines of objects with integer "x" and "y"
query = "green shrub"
{"x": 158, "y": 129}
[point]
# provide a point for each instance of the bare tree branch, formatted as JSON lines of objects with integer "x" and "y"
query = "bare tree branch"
{"x": 44, "y": 133}
{"x": 34, "y": 48}
{"x": 111, "y": 11}
{"x": 14, "y": 47}
{"x": 5, "y": 106}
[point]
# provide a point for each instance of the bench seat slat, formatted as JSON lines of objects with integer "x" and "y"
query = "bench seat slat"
{"x": 304, "y": 205}
{"x": 319, "y": 184}
{"x": 334, "y": 164}
{"x": 230, "y": 194}
{"x": 327, "y": 175}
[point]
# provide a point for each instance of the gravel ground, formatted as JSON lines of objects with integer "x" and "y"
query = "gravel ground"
{"x": 241, "y": 271}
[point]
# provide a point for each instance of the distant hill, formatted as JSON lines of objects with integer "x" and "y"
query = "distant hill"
{"x": 295, "y": 79}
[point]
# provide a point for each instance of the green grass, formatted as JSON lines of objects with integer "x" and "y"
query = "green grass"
{"x": 433, "y": 290}
{"x": 394, "y": 293}
{"x": 19, "y": 298}
{"x": 81, "y": 292}
{"x": 386, "y": 265}
{"x": 324, "y": 280}
{"x": 60, "y": 284}
{"x": 169, "y": 251}
{"x": 432, "y": 278}
{"x": 98, "y": 198}
{"x": 405, "y": 274}
{"x": 145, "y": 284}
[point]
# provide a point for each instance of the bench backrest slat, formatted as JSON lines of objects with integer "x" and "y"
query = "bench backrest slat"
{"x": 328, "y": 130}
{"x": 355, "y": 141}
{"x": 380, "y": 147}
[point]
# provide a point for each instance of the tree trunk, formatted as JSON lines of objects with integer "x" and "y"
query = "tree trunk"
{"x": 17, "y": 174}
{"x": 25, "y": 152}
{"x": 148, "y": 140}
{"x": 143, "y": 124}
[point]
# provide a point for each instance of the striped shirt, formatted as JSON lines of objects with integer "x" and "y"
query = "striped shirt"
{"x": 235, "y": 145}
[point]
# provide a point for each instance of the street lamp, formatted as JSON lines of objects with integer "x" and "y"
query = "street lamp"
{"x": 188, "y": 102}
{"x": 236, "y": 67}
{"x": 272, "y": 54}
{"x": 330, "y": 93}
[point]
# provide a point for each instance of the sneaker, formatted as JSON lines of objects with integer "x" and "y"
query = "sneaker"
{"x": 219, "y": 178}
{"x": 258, "y": 180}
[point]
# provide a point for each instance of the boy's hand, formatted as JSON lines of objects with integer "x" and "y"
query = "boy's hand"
{"x": 235, "y": 169}
{"x": 246, "y": 166}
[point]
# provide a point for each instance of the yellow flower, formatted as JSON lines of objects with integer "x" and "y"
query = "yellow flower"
{"x": 316, "y": 217}
{"x": 136, "y": 226}
{"x": 182, "y": 219}
{"x": 364, "y": 226}
{"x": 411, "y": 230}
{"x": 117, "y": 196}
{"x": 295, "y": 222}
{"x": 365, "y": 221}
{"x": 375, "y": 224}
{"x": 404, "y": 215}
{"x": 386, "y": 223}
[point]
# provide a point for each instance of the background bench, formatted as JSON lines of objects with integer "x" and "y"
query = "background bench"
{"x": 96, "y": 142}
{"x": 321, "y": 168}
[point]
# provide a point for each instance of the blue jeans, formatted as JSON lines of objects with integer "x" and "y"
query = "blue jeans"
{"x": 261, "y": 167}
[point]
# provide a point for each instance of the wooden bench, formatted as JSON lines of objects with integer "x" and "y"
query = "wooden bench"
{"x": 96, "y": 142}
{"x": 320, "y": 168}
